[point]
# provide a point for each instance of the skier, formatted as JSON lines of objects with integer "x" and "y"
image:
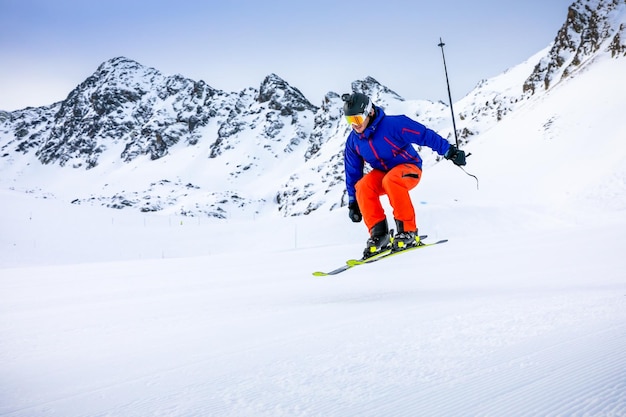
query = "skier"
{"x": 386, "y": 144}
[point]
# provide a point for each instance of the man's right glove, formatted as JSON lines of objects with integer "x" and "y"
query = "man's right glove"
{"x": 355, "y": 212}
{"x": 455, "y": 155}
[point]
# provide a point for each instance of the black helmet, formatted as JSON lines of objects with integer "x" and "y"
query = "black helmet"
{"x": 356, "y": 103}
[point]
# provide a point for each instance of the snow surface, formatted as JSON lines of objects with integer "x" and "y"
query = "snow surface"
{"x": 521, "y": 313}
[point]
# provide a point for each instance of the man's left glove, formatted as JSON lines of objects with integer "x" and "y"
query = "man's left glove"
{"x": 455, "y": 155}
{"x": 355, "y": 212}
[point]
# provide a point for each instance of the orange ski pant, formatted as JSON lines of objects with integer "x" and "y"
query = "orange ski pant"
{"x": 396, "y": 184}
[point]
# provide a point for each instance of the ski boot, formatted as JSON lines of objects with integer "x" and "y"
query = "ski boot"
{"x": 404, "y": 239}
{"x": 379, "y": 241}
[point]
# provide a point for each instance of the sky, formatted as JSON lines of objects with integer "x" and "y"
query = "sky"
{"x": 49, "y": 47}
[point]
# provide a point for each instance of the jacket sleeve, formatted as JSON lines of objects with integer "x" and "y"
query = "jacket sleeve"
{"x": 415, "y": 132}
{"x": 353, "y": 164}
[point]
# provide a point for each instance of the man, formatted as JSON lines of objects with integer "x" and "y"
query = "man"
{"x": 386, "y": 144}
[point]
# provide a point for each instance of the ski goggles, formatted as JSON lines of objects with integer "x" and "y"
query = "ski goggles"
{"x": 356, "y": 119}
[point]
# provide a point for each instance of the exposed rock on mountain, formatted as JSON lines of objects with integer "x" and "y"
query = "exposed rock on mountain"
{"x": 591, "y": 26}
{"x": 126, "y": 104}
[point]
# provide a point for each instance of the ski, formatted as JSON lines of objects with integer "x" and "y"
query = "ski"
{"x": 387, "y": 254}
{"x": 351, "y": 263}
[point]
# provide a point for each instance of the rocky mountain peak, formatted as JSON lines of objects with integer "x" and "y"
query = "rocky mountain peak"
{"x": 119, "y": 66}
{"x": 283, "y": 97}
{"x": 591, "y": 27}
{"x": 124, "y": 102}
{"x": 379, "y": 93}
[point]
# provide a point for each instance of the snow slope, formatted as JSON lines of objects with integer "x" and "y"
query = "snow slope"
{"x": 522, "y": 325}
{"x": 521, "y": 313}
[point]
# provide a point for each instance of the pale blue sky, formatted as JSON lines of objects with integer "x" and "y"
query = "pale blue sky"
{"x": 48, "y": 47}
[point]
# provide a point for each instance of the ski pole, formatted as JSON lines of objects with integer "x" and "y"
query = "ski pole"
{"x": 456, "y": 137}
{"x": 445, "y": 68}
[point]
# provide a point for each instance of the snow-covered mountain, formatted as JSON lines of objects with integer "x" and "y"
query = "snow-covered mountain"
{"x": 126, "y": 116}
{"x": 130, "y": 136}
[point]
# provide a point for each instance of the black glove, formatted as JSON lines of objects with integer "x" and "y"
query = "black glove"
{"x": 355, "y": 212}
{"x": 456, "y": 155}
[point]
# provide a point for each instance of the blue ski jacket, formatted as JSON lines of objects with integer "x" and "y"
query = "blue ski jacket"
{"x": 386, "y": 143}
